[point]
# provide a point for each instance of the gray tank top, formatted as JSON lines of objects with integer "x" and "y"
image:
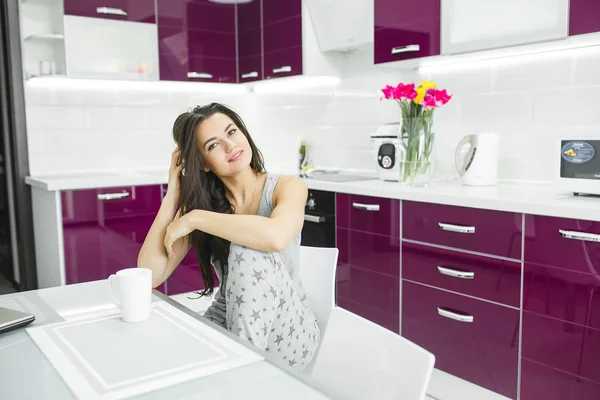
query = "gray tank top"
{"x": 290, "y": 257}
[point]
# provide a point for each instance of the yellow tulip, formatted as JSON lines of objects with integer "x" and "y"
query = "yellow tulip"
{"x": 422, "y": 89}
{"x": 427, "y": 85}
{"x": 420, "y": 95}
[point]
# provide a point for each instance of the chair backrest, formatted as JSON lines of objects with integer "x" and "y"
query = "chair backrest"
{"x": 361, "y": 360}
{"x": 317, "y": 273}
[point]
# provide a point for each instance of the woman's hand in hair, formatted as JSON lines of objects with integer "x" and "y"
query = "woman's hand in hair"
{"x": 179, "y": 228}
{"x": 174, "y": 174}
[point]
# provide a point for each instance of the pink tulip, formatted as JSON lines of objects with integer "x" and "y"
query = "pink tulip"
{"x": 402, "y": 92}
{"x": 429, "y": 102}
{"x": 388, "y": 91}
{"x": 441, "y": 97}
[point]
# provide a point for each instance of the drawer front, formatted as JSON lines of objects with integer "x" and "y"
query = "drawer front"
{"x": 542, "y": 382}
{"x": 567, "y": 295}
{"x": 121, "y": 10}
{"x": 369, "y": 214}
{"x": 570, "y": 348}
{"x": 484, "y": 351}
{"x": 563, "y": 243}
{"x": 484, "y": 277}
{"x": 98, "y": 205}
{"x": 373, "y": 296}
{"x": 485, "y": 231}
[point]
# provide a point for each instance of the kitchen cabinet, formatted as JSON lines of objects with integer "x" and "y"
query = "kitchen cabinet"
{"x": 472, "y": 25}
{"x": 488, "y": 278}
{"x": 561, "y": 317}
{"x": 406, "y": 29}
{"x": 197, "y": 41}
{"x": 187, "y": 276}
{"x": 105, "y": 49}
{"x": 103, "y": 229}
{"x": 249, "y": 33}
{"x": 461, "y": 290}
{"x": 472, "y": 339}
{"x": 484, "y": 231}
{"x": 122, "y": 10}
{"x": 368, "y": 272}
{"x": 583, "y": 17}
{"x": 282, "y": 38}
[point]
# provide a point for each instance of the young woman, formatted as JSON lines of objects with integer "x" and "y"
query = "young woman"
{"x": 244, "y": 222}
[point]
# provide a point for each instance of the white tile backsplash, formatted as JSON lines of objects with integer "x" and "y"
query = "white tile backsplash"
{"x": 529, "y": 101}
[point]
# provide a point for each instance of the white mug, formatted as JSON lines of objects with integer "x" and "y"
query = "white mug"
{"x": 131, "y": 290}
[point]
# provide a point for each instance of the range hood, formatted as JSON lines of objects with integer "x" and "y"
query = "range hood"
{"x": 342, "y": 25}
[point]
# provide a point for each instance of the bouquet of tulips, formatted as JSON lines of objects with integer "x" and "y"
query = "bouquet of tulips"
{"x": 417, "y": 106}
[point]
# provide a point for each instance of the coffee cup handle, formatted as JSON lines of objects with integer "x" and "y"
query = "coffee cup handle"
{"x": 114, "y": 297}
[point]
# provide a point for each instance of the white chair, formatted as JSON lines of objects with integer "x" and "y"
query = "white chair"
{"x": 317, "y": 273}
{"x": 361, "y": 360}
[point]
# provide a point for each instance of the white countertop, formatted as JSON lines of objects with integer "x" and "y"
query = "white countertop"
{"x": 536, "y": 199}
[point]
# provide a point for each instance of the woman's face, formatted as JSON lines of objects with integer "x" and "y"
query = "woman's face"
{"x": 223, "y": 146}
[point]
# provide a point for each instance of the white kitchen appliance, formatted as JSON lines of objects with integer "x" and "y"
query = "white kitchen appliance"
{"x": 386, "y": 146}
{"x": 579, "y": 164}
{"x": 476, "y": 159}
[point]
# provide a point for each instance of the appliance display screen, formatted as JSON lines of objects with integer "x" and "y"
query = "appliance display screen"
{"x": 580, "y": 159}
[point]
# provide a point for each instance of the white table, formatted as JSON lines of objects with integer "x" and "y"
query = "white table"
{"x": 27, "y": 373}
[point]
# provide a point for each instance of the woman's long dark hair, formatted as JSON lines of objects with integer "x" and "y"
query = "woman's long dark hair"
{"x": 201, "y": 190}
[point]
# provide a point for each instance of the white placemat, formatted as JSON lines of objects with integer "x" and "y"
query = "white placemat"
{"x": 101, "y": 357}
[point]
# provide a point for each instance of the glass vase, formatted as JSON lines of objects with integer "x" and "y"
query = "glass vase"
{"x": 417, "y": 141}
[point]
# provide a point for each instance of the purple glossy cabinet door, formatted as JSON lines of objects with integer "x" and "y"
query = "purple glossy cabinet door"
{"x": 103, "y": 229}
{"x": 123, "y": 10}
{"x": 483, "y": 277}
{"x": 249, "y": 41}
{"x": 563, "y": 243}
{"x": 485, "y": 231}
{"x": 367, "y": 281}
{"x": 406, "y": 29}
{"x": 197, "y": 41}
{"x": 473, "y": 339}
{"x": 583, "y": 17}
{"x": 541, "y": 382}
{"x": 282, "y": 38}
{"x": 368, "y": 214}
{"x": 560, "y": 359}
{"x": 187, "y": 276}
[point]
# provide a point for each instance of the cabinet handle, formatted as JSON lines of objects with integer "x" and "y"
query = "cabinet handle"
{"x": 588, "y": 237}
{"x": 456, "y": 228}
{"x": 252, "y": 74}
{"x": 201, "y": 75}
{"x": 111, "y": 11}
{"x": 112, "y": 196}
{"x": 406, "y": 49}
{"x": 456, "y": 273}
{"x": 457, "y": 316}
{"x": 368, "y": 207}
{"x": 283, "y": 69}
{"x": 317, "y": 219}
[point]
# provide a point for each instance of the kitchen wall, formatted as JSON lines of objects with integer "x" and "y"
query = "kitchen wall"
{"x": 530, "y": 101}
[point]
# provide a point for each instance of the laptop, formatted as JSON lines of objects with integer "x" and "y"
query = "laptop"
{"x": 12, "y": 319}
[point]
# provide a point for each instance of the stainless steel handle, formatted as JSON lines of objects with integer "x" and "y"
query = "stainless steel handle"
{"x": 588, "y": 237}
{"x": 455, "y": 316}
{"x": 314, "y": 218}
{"x": 111, "y": 11}
{"x": 456, "y": 228}
{"x": 456, "y": 273}
{"x": 112, "y": 196}
{"x": 368, "y": 207}
{"x": 252, "y": 74}
{"x": 406, "y": 49}
{"x": 283, "y": 69}
{"x": 202, "y": 75}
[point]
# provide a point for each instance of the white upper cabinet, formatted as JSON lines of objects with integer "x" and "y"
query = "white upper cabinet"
{"x": 472, "y": 25}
